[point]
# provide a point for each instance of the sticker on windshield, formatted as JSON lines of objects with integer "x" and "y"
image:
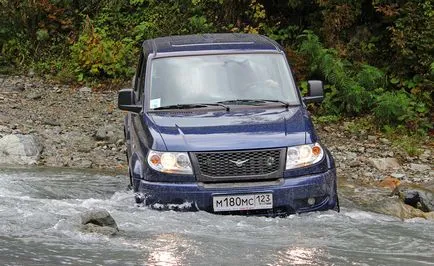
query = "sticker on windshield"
{"x": 155, "y": 103}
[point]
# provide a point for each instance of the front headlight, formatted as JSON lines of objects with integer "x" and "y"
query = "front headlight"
{"x": 170, "y": 162}
{"x": 299, "y": 156}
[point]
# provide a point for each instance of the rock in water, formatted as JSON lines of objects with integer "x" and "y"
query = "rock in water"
{"x": 19, "y": 150}
{"x": 99, "y": 221}
{"x": 419, "y": 198}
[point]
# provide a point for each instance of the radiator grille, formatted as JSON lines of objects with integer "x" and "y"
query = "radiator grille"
{"x": 239, "y": 163}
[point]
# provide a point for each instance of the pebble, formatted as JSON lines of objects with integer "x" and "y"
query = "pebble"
{"x": 372, "y": 138}
{"x": 354, "y": 163}
{"x": 85, "y": 89}
{"x": 398, "y": 175}
{"x": 384, "y": 141}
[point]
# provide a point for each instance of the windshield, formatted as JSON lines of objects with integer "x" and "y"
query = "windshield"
{"x": 218, "y": 78}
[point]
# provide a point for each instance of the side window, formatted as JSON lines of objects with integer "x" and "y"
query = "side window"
{"x": 141, "y": 84}
{"x": 137, "y": 77}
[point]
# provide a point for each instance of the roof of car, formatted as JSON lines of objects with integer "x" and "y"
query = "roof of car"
{"x": 208, "y": 42}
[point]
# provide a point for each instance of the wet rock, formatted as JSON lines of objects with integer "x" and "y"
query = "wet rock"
{"x": 390, "y": 182}
{"x": 395, "y": 207}
{"x": 419, "y": 167}
{"x": 5, "y": 129}
{"x": 384, "y": 164}
{"x": 419, "y": 198}
{"x": 99, "y": 221}
{"x": 19, "y": 150}
{"x": 379, "y": 200}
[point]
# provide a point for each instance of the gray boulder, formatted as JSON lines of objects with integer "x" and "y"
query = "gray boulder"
{"x": 99, "y": 221}
{"x": 420, "y": 167}
{"x": 19, "y": 150}
{"x": 108, "y": 133}
{"x": 420, "y": 198}
{"x": 384, "y": 164}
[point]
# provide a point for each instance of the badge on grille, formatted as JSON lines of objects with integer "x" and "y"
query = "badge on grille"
{"x": 239, "y": 163}
{"x": 270, "y": 161}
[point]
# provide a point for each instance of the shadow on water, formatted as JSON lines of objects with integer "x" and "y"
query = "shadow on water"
{"x": 40, "y": 225}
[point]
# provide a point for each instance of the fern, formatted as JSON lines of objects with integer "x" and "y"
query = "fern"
{"x": 348, "y": 95}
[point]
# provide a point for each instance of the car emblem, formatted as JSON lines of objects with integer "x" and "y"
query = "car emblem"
{"x": 239, "y": 163}
{"x": 270, "y": 161}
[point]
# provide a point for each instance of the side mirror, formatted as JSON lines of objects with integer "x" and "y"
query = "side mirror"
{"x": 126, "y": 101}
{"x": 316, "y": 92}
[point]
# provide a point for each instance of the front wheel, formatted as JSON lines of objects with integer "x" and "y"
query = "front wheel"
{"x": 337, "y": 206}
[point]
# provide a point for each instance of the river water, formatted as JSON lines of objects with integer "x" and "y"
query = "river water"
{"x": 40, "y": 225}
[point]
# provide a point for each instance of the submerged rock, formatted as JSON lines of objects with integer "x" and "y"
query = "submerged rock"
{"x": 420, "y": 198}
{"x": 19, "y": 150}
{"x": 99, "y": 221}
{"x": 380, "y": 200}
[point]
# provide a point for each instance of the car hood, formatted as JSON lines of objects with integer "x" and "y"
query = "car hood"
{"x": 234, "y": 130}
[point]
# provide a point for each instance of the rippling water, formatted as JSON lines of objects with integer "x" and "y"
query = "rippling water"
{"x": 40, "y": 225}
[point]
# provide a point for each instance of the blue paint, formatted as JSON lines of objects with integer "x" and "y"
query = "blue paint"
{"x": 215, "y": 129}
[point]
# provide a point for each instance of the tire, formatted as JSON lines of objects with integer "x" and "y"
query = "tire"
{"x": 337, "y": 207}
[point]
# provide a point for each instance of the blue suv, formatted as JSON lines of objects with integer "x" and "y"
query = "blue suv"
{"x": 216, "y": 122}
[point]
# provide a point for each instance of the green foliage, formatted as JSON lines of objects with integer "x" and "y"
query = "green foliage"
{"x": 401, "y": 108}
{"x": 345, "y": 94}
{"x": 326, "y": 119}
{"x": 410, "y": 142}
{"x": 412, "y": 37}
{"x": 97, "y": 56}
{"x": 371, "y": 77}
{"x": 376, "y": 57}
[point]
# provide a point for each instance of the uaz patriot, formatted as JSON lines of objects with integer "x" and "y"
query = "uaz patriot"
{"x": 216, "y": 122}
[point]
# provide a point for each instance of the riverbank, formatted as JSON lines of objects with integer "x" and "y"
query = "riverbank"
{"x": 80, "y": 127}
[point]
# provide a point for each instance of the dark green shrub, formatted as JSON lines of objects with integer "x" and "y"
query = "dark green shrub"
{"x": 95, "y": 55}
{"x": 371, "y": 77}
{"x": 401, "y": 108}
{"x": 345, "y": 94}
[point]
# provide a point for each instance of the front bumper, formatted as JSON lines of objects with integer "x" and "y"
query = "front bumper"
{"x": 289, "y": 195}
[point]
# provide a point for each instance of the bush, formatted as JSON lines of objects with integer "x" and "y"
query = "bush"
{"x": 345, "y": 94}
{"x": 94, "y": 55}
{"x": 401, "y": 108}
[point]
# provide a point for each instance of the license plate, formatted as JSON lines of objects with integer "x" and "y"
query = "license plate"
{"x": 243, "y": 202}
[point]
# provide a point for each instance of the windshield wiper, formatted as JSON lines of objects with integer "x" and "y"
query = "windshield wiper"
{"x": 218, "y": 104}
{"x": 180, "y": 106}
{"x": 241, "y": 101}
{"x": 255, "y": 101}
{"x": 190, "y": 106}
{"x": 286, "y": 104}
